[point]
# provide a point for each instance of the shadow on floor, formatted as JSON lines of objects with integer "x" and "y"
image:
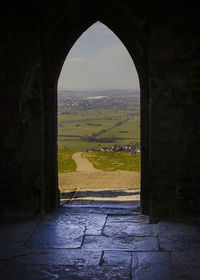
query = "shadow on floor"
{"x": 104, "y": 193}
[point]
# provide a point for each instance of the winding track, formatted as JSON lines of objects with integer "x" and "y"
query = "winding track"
{"x": 83, "y": 164}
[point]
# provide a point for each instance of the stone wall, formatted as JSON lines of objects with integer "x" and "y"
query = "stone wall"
{"x": 174, "y": 90}
{"x": 165, "y": 46}
{"x": 22, "y": 122}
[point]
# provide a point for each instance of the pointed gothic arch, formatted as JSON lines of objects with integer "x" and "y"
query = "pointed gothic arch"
{"x": 133, "y": 36}
{"x": 163, "y": 44}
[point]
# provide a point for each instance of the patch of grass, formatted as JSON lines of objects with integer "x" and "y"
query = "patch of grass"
{"x": 65, "y": 161}
{"x": 131, "y": 128}
{"x": 113, "y": 161}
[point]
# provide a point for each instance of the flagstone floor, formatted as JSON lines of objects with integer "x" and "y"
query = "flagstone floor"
{"x": 98, "y": 241}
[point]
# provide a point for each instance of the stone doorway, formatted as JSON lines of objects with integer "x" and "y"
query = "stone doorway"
{"x": 99, "y": 114}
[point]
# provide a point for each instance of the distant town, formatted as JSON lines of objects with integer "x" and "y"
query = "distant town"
{"x": 131, "y": 149}
{"x": 110, "y": 99}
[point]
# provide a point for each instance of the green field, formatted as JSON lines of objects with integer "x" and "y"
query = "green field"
{"x": 114, "y": 161}
{"x": 65, "y": 161}
{"x": 92, "y": 129}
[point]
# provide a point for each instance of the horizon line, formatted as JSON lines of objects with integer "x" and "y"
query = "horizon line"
{"x": 109, "y": 89}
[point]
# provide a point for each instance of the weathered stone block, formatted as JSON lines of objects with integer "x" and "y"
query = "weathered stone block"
{"x": 152, "y": 266}
{"x": 50, "y": 236}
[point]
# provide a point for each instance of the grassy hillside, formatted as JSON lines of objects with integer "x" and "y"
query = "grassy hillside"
{"x": 65, "y": 161}
{"x": 114, "y": 161}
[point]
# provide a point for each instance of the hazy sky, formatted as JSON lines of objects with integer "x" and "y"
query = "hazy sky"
{"x": 97, "y": 61}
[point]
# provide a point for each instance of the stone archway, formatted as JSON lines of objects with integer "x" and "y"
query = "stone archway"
{"x": 164, "y": 45}
{"x": 135, "y": 44}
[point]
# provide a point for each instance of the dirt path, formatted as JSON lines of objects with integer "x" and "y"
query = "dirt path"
{"x": 101, "y": 180}
{"x": 89, "y": 183}
{"x": 95, "y": 186}
{"x": 83, "y": 164}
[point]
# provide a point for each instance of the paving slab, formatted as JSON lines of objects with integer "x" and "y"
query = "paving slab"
{"x": 85, "y": 272}
{"x": 118, "y": 258}
{"x": 54, "y": 236}
{"x": 130, "y": 243}
{"x": 59, "y": 256}
{"x": 93, "y": 222}
{"x": 102, "y": 209}
{"x": 179, "y": 237}
{"x": 151, "y": 266}
{"x": 133, "y": 218}
{"x": 75, "y": 244}
{"x": 129, "y": 228}
{"x": 16, "y": 271}
{"x": 186, "y": 265}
